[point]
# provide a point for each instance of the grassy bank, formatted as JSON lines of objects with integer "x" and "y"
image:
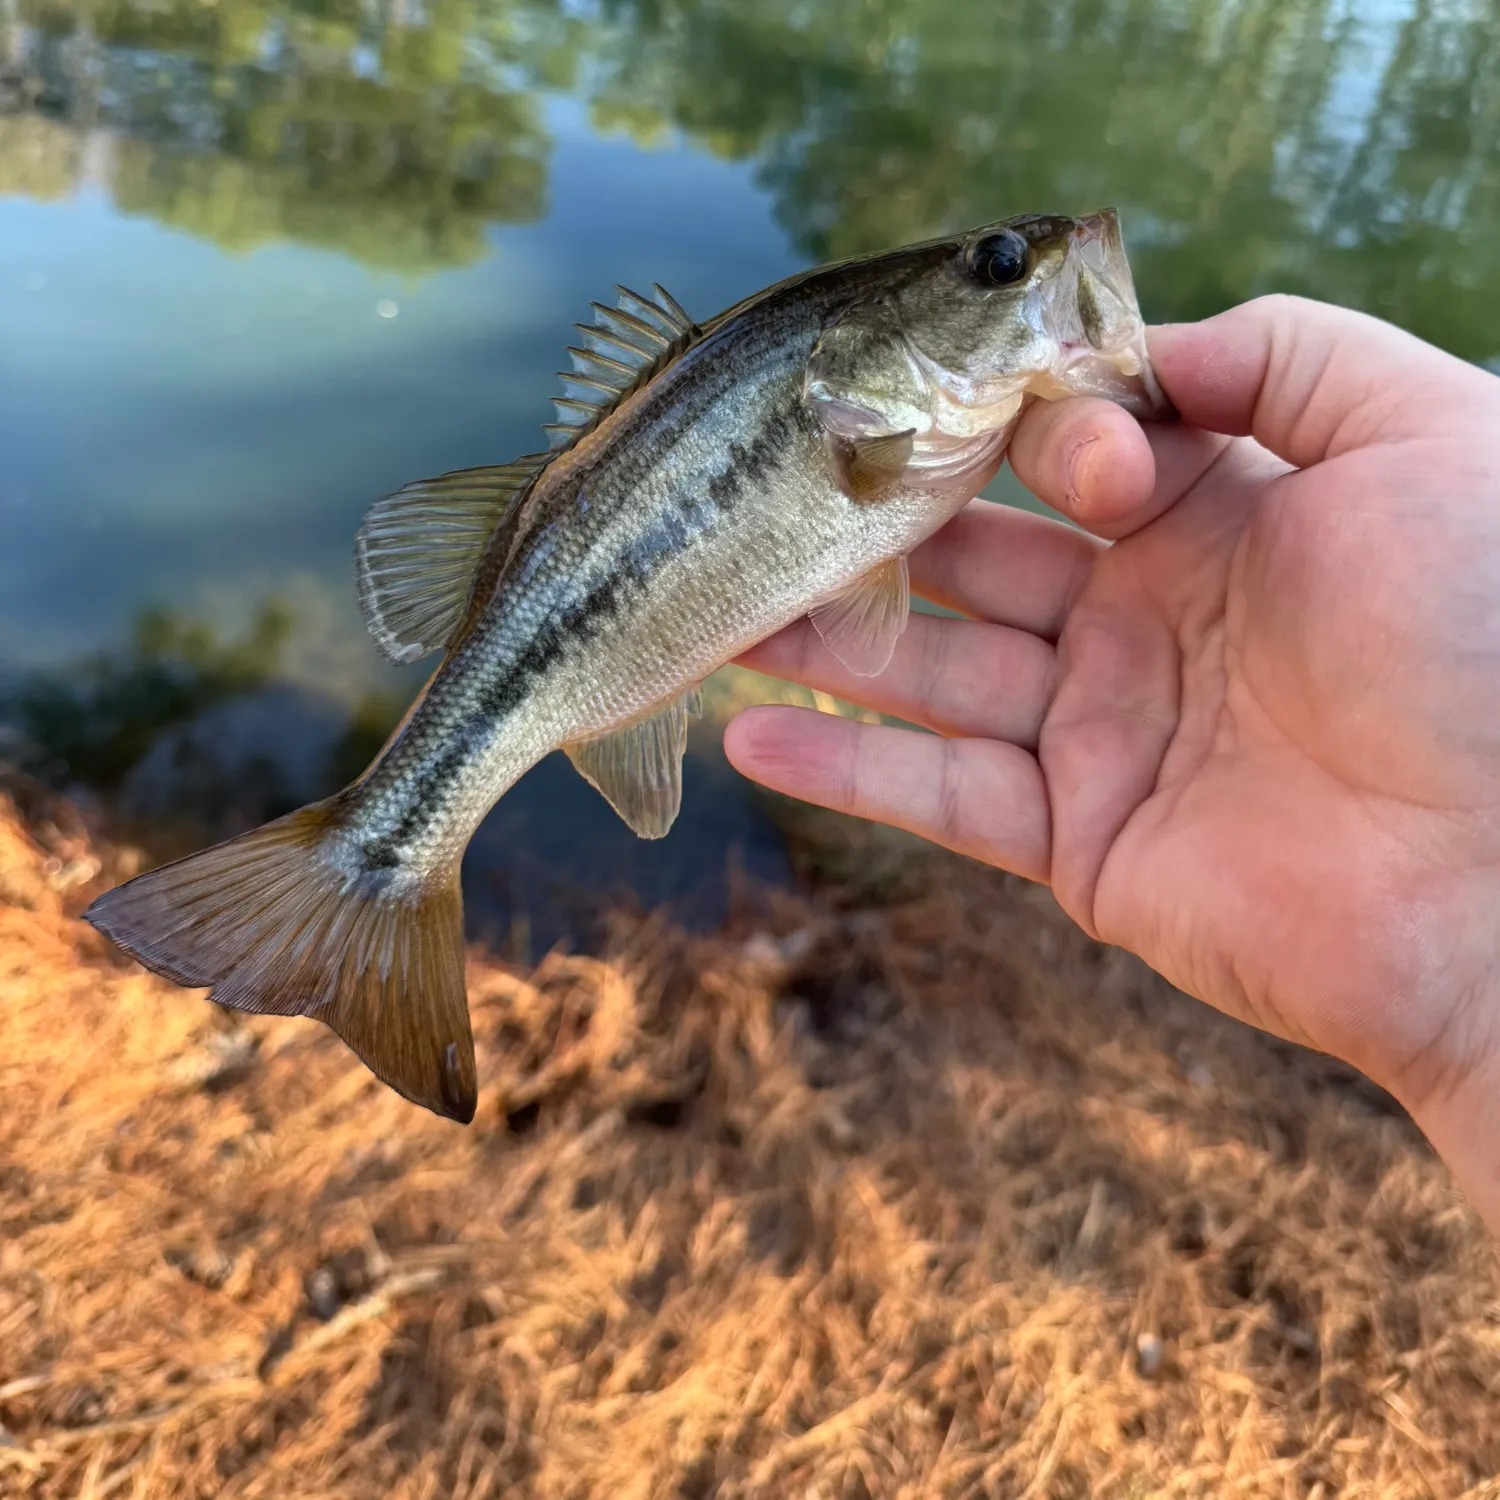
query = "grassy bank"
{"x": 925, "y": 1198}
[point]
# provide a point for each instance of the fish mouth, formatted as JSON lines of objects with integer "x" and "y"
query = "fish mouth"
{"x": 1097, "y": 238}
{"x": 1102, "y": 335}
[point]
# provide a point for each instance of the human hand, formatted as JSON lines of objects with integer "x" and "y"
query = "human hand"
{"x": 1257, "y": 739}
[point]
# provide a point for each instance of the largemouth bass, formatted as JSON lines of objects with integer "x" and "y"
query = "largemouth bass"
{"x": 705, "y": 486}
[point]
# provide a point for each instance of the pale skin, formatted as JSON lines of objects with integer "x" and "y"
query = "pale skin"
{"x": 1256, "y": 740}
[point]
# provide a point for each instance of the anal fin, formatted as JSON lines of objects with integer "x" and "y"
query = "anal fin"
{"x": 638, "y": 769}
{"x": 862, "y": 623}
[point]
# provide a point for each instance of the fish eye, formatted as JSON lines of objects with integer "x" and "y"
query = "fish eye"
{"x": 998, "y": 259}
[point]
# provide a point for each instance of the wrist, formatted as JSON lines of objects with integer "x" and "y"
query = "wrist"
{"x": 1452, "y": 1090}
{"x": 1463, "y": 1126}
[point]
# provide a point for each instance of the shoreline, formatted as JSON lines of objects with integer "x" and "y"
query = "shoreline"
{"x": 930, "y": 1191}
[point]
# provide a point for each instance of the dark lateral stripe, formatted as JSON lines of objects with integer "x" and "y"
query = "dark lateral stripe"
{"x": 747, "y": 469}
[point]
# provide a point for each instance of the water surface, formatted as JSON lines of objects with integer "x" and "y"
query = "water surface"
{"x": 264, "y": 260}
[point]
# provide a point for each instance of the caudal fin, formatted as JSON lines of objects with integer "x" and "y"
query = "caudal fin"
{"x": 277, "y": 922}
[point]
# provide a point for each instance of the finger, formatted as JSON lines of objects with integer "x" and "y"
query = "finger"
{"x": 1093, "y": 462}
{"x": 1086, "y": 458}
{"x": 959, "y": 677}
{"x": 1307, "y": 380}
{"x": 977, "y": 797}
{"x": 1110, "y": 726}
{"x": 1005, "y": 565}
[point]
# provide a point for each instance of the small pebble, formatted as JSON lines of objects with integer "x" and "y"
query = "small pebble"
{"x": 795, "y": 946}
{"x": 760, "y": 948}
{"x": 225, "y": 1058}
{"x": 323, "y": 1293}
{"x": 841, "y": 1131}
{"x": 796, "y": 1015}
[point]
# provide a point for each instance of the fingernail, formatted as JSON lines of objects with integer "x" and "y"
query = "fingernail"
{"x": 1077, "y": 465}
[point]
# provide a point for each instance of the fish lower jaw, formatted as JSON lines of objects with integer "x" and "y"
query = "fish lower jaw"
{"x": 1122, "y": 374}
{"x": 948, "y": 462}
{"x": 1128, "y": 359}
{"x": 964, "y": 416}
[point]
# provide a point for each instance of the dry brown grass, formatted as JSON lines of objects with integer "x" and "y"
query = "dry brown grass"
{"x": 840, "y": 1203}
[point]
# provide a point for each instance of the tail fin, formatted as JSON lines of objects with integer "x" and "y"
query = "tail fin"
{"x": 277, "y": 922}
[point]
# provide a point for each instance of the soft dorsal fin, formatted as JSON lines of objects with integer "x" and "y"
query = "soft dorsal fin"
{"x": 419, "y": 550}
{"x": 638, "y": 770}
{"x": 622, "y": 349}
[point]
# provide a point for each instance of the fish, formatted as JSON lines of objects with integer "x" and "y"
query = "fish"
{"x": 704, "y": 486}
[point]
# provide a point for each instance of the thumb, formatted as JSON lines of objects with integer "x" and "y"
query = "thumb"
{"x": 1308, "y": 380}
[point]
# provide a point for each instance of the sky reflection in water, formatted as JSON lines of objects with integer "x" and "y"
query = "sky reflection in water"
{"x": 263, "y": 260}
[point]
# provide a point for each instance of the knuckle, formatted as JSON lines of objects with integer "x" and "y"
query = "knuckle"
{"x": 1277, "y": 305}
{"x": 931, "y": 664}
{"x": 852, "y": 772}
{"x": 947, "y": 818}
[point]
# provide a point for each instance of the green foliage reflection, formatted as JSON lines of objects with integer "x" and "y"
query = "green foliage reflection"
{"x": 96, "y": 720}
{"x": 1253, "y": 144}
{"x": 390, "y": 131}
{"x": 1305, "y": 144}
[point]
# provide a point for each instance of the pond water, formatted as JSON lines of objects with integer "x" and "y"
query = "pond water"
{"x": 264, "y": 260}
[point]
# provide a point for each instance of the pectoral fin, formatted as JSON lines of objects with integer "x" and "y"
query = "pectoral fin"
{"x": 868, "y": 469}
{"x": 638, "y": 770}
{"x": 861, "y": 624}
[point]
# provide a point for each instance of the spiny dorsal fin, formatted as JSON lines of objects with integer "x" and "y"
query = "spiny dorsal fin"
{"x": 622, "y": 349}
{"x": 638, "y": 770}
{"x": 419, "y": 549}
{"x": 862, "y": 623}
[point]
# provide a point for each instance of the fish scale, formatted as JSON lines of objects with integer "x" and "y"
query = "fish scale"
{"x": 704, "y": 486}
